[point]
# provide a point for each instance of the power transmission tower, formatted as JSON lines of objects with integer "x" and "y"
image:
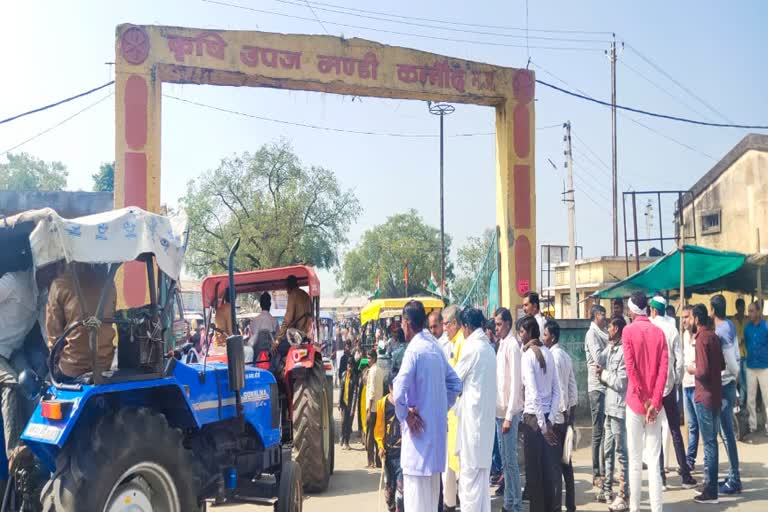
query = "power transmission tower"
{"x": 613, "y": 55}
{"x": 570, "y": 198}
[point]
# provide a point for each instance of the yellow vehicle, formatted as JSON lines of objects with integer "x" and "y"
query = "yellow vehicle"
{"x": 379, "y": 311}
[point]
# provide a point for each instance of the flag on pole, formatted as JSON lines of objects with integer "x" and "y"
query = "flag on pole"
{"x": 432, "y": 282}
{"x": 377, "y": 291}
{"x": 405, "y": 275}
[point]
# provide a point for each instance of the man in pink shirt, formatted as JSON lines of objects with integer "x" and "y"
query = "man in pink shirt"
{"x": 646, "y": 357}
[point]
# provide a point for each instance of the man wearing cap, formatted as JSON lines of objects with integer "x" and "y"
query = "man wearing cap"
{"x": 675, "y": 370}
{"x": 646, "y": 357}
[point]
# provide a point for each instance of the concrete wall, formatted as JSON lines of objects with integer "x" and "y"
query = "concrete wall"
{"x": 592, "y": 274}
{"x": 740, "y": 195}
{"x": 66, "y": 204}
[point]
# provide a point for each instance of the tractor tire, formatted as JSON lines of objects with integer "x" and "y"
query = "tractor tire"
{"x": 332, "y": 426}
{"x": 133, "y": 455}
{"x": 289, "y": 495}
{"x": 312, "y": 440}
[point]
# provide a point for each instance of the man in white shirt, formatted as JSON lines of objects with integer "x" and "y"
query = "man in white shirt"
{"x": 543, "y": 477}
{"x": 569, "y": 398}
{"x": 531, "y": 307}
{"x": 435, "y": 324}
{"x": 476, "y": 411}
{"x": 689, "y": 384}
{"x": 264, "y": 326}
{"x": 18, "y": 314}
{"x": 509, "y": 407}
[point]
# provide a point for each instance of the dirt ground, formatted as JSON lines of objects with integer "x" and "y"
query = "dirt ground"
{"x": 354, "y": 488}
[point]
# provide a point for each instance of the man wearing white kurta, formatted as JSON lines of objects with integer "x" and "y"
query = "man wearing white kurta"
{"x": 476, "y": 412}
{"x": 509, "y": 407}
{"x": 425, "y": 387}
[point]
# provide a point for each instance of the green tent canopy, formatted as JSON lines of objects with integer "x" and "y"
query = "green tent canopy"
{"x": 706, "y": 271}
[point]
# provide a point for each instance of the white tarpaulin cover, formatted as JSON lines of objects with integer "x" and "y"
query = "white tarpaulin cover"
{"x": 111, "y": 237}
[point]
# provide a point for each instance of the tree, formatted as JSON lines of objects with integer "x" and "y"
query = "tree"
{"x": 469, "y": 259}
{"x": 25, "y": 172}
{"x": 382, "y": 254}
{"x": 284, "y": 213}
{"x": 104, "y": 180}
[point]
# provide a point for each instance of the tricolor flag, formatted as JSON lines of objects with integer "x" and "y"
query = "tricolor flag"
{"x": 405, "y": 274}
{"x": 432, "y": 282}
{"x": 377, "y": 291}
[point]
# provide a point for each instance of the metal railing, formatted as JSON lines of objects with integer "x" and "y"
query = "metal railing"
{"x": 484, "y": 292}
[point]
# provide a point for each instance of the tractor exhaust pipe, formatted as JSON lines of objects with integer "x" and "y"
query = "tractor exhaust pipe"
{"x": 235, "y": 354}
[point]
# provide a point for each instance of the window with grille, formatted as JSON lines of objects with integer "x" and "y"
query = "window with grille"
{"x": 710, "y": 223}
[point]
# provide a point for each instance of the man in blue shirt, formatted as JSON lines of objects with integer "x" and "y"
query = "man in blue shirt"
{"x": 756, "y": 340}
{"x": 425, "y": 388}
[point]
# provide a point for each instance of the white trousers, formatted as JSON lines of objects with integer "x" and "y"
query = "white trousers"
{"x": 421, "y": 492}
{"x": 475, "y": 489}
{"x": 756, "y": 377}
{"x": 644, "y": 437}
{"x": 450, "y": 487}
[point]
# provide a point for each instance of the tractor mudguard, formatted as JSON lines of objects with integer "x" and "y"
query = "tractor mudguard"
{"x": 300, "y": 356}
{"x": 203, "y": 391}
{"x": 47, "y": 436}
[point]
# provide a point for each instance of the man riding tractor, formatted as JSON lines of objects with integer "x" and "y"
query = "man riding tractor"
{"x": 296, "y": 361}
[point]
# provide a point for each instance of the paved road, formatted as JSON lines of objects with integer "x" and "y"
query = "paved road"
{"x": 354, "y": 488}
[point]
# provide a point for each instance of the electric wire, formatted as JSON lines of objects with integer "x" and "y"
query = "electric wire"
{"x": 56, "y": 104}
{"x": 315, "y": 15}
{"x": 665, "y": 91}
{"x": 6, "y": 151}
{"x": 323, "y": 128}
{"x": 674, "y": 81}
{"x": 423, "y": 25}
{"x": 463, "y": 24}
{"x": 411, "y": 34}
{"x": 649, "y": 113}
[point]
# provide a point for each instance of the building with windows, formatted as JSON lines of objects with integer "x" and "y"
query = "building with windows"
{"x": 592, "y": 274}
{"x": 728, "y": 206}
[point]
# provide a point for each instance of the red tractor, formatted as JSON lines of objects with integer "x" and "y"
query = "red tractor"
{"x": 305, "y": 397}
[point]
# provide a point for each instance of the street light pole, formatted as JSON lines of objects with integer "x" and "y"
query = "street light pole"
{"x": 442, "y": 110}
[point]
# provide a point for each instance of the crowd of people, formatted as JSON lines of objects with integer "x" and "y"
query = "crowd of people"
{"x": 443, "y": 418}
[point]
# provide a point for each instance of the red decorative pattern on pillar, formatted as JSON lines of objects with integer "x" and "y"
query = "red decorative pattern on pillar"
{"x": 134, "y": 273}
{"x": 522, "y": 131}
{"x": 136, "y": 102}
{"x": 522, "y": 179}
{"x": 134, "y": 283}
{"x": 522, "y": 265}
{"x": 134, "y": 45}
{"x": 522, "y": 85}
{"x": 135, "y": 180}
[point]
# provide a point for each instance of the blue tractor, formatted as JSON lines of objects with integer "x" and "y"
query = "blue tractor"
{"x": 151, "y": 433}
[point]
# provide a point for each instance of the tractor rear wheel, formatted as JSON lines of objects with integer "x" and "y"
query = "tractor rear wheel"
{"x": 311, "y": 429}
{"x": 132, "y": 460}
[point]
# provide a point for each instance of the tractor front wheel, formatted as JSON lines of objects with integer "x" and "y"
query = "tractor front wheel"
{"x": 132, "y": 460}
{"x": 311, "y": 429}
{"x": 289, "y": 497}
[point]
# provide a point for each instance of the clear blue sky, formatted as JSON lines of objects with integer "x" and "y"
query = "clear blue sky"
{"x": 52, "y": 49}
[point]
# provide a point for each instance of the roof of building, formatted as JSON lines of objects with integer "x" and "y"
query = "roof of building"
{"x": 598, "y": 259}
{"x": 753, "y": 141}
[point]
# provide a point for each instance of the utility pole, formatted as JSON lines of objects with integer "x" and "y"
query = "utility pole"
{"x": 570, "y": 198}
{"x": 613, "y": 56}
{"x": 442, "y": 110}
{"x": 648, "y": 226}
